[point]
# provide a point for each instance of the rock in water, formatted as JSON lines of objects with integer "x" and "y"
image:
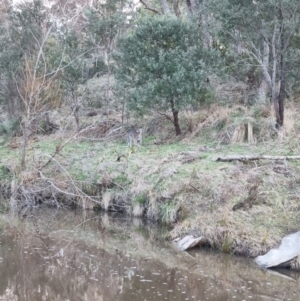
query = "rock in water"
{"x": 187, "y": 242}
{"x": 288, "y": 250}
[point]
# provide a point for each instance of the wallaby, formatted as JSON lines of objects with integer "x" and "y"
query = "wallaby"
{"x": 135, "y": 137}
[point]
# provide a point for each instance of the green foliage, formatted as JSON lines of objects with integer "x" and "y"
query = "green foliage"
{"x": 122, "y": 180}
{"x": 2, "y": 129}
{"x": 26, "y": 21}
{"x": 246, "y": 25}
{"x": 10, "y": 127}
{"x": 140, "y": 199}
{"x": 102, "y": 29}
{"x": 5, "y": 174}
{"x": 169, "y": 212}
{"x": 160, "y": 62}
{"x": 98, "y": 67}
{"x": 72, "y": 60}
{"x": 21, "y": 36}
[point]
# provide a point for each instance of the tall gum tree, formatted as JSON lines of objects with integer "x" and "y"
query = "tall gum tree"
{"x": 263, "y": 31}
{"x": 104, "y": 22}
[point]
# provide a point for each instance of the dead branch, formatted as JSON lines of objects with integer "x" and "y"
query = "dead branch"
{"x": 254, "y": 157}
{"x": 194, "y": 188}
{"x": 154, "y": 10}
{"x": 167, "y": 116}
{"x": 114, "y": 130}
{"x": 78, "y": 192}
{"x": 60, "y": 146}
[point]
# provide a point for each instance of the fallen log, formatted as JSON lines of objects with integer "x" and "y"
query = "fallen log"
{"x": 254, "y": 157}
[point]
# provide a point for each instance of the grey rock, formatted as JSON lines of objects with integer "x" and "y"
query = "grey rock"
{"x": 288, "y": 250}
{"x": 187, "y": 242}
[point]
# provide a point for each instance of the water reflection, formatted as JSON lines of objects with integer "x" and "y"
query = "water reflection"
{"x": 54, "y": 255}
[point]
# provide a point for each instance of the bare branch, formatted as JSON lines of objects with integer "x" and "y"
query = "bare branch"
{"x": 60, "y": 147}
{"x": 154, "y": 10}
{"x": 167, "y": 116}
{"x": 254, "y": 157}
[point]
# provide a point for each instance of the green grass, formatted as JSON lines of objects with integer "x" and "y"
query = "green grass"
{"x": 45, "y": 147}
{"x": 5, "y": 152}
{"x": 140, "y": 199}
{"x": 5, "y": 174}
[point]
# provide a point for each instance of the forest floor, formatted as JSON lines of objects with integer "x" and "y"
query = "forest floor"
{"x": 241, "y": 207}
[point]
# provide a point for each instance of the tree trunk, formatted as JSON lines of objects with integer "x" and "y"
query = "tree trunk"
{"x": 189, "y": 6}
{"x": 274, "y": 97}
{"x": 165, "y": 7}
{"x": 25, "y": 142}
{"x": 281, "y": 94}
{"x": 274, "y": 70}
{"x": 262, "y": 92}
{"x": 264, "y": 85}
{"x": 76, "y": 115}
{"x": 176, "y": 123}
{"x": 175, "y": 118}
{"x": 192, "y": 6}
{"x": 107, "y": 89}
{"x": 176, "y": 8}
{"x": 47, "y": 123}
{"x": 77, "y": 120}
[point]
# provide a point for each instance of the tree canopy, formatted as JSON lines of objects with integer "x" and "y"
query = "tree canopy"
{"x": 162, "y": 66}
{"x": 165, "y": 53}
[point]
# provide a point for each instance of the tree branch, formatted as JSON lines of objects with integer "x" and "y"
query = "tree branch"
{"x": 154, "y": 10}
{"x": 167, "y": 116}
{"x": 254, "y": 157}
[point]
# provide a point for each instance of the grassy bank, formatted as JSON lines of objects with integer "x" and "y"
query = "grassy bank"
{"x": 239, "y": 207}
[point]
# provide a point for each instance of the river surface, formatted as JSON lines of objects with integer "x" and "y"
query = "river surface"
{"x": 63, "y": 255}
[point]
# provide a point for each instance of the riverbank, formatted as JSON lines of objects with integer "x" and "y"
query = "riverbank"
{"x": 240, "y": 207}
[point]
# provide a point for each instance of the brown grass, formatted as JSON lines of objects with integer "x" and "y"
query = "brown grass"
{"x": 262, "y": 220}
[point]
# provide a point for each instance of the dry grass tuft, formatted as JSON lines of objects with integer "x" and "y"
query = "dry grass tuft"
{"x": 238, "y": 134}
{"x": 153, "y": 207}
{"x": 239, "y": 124}
{"x": 138, "y": 210}
{"x": 106, "y": 199}
{"x": 265, "y": 214}
{"x": 27, "y": 177}
{"x": 295, "y": 264}
{"x": 289, "y": 126}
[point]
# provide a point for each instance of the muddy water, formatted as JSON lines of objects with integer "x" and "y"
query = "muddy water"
{"x": 55, "y": 255}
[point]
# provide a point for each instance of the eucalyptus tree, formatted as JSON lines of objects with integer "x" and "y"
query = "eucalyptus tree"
{"x": 72, "y": 55}
{"x": 21, "y": 30}
{"x": 162, "y": 66}
{"x": 27, "y": 77}
{"x": 103, "y": 22}
{"x": 263, "y": 33}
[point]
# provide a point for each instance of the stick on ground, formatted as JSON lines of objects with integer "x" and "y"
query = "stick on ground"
{"x": 254, "y": 157}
